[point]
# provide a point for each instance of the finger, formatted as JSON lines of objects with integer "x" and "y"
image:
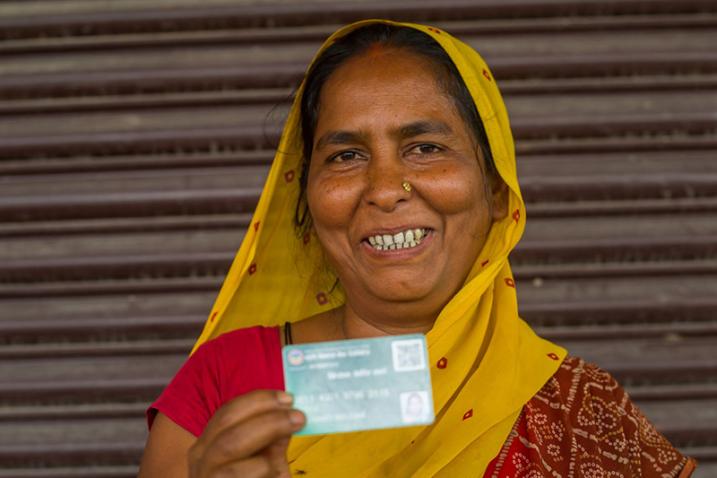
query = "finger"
{"x": 254, "y": 467}
{"x": 276, "y": 454}
{"x": 252, "y": 436}
{"x": 242, "y": 407}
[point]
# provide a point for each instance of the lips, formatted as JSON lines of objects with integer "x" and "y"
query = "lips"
{"x": 405, "y": 239}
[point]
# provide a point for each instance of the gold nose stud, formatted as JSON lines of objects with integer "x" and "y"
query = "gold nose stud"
{"x": 406, "y": 186}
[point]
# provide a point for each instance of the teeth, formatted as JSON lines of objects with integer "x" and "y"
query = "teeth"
{"x": 402, "y": 240}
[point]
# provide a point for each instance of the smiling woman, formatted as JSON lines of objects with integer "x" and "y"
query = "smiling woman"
{"x": 391, "y": 208}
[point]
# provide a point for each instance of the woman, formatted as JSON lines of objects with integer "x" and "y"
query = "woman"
{"x": 391, "y": 208}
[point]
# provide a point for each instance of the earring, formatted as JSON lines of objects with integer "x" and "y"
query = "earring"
{"x": 406, "y": 186}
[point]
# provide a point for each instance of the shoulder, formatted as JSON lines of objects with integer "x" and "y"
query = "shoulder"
{"x": 247, "y": 358}
{"x": 257, "y": 336}
{"x": 576, "y": 381}
{"x": 247, "y": 336}
{"x": 583, "y": 419}
{"x": 219, "y": 370}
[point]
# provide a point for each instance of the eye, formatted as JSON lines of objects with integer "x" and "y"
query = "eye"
{"x": 425, "y": 148}
{"x": 343, "y": 156}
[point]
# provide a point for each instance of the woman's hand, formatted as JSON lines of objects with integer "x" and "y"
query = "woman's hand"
{"x": 247, "y": 437}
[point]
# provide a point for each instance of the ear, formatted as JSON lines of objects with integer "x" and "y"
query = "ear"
{"x": 499, "y": 197}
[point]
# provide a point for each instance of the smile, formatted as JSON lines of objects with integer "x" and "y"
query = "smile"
{"x": 401, "y": 240}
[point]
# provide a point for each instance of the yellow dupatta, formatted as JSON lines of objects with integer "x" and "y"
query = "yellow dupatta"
{"x": 486, "y": 362}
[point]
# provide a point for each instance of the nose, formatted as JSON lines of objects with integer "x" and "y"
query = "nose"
{"x": 385, "y": 176}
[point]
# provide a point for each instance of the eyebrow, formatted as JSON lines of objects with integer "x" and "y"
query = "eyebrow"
{"x": 339, "y": 137}
{"x": 409, "y": 130}
{"x": 418, "y": 128}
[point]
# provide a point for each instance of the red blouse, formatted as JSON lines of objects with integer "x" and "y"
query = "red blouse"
{"x": 230, "y": 365}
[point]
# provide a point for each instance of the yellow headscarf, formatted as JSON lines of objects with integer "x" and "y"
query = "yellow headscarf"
{"x": 486, "y": 362}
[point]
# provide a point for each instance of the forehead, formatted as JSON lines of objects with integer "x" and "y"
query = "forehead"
{"x": 384, "y": 82}
{"x": 381, "y": 62}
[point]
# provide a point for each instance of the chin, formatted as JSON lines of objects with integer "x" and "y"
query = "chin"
{"x": 401, "y": 293}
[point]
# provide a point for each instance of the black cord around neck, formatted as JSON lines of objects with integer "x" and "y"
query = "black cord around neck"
{"x": 287, "y": 334}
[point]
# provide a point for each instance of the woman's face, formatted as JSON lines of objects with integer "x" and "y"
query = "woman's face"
{"x": 383, "y": 120}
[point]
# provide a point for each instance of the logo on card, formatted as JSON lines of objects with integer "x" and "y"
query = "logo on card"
{"x": 408, "y": 355}
{"x": 295, "y": 357}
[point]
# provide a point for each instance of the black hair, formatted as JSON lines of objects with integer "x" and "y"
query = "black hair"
{"x": 355, "y": 43}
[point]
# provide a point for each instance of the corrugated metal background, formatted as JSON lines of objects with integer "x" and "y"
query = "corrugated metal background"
{"x": 135, "y": 136}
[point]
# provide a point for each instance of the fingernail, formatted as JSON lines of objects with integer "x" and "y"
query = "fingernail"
{"x": 296, "y": 417}
{"x": 284, "y": 398}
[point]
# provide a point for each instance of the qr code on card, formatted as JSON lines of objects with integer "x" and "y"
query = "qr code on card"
{"x": 408, "y": 355}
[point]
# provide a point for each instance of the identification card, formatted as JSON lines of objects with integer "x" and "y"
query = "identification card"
{"x": 360, "y": 384}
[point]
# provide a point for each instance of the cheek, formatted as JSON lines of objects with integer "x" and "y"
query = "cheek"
{"x": 331, "y": 202}
{"x": 456, "y": 191}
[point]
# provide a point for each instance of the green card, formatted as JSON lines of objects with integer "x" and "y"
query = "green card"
{"x": 361, "y": 384}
